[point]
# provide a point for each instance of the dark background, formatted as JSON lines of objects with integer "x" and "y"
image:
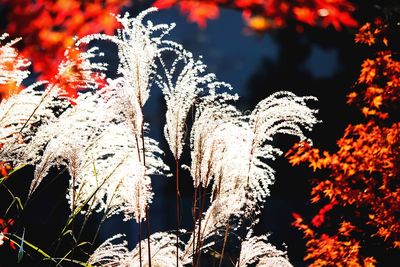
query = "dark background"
{"x": 319, "y": 62}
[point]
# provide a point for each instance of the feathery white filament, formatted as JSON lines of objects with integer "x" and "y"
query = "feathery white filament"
{"x": 109, "y": 253}
{"x": 163, "y": 252}
{"x": 257, "y": 250}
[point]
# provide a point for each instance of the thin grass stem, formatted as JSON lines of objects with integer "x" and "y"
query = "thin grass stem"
{"x": 148, "y": 234}
{"x": 177, "y": 211}
{"x": 140, "y": 241}
{"x": 224, "y": 245}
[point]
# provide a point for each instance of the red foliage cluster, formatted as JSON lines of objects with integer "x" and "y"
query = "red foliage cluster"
{"x": 5, "y": 168}
{"x": 379, "y": 79}
{"x": 364, "y": 172}
{"x": 333, "y": 250}
{"x": 47, "y": 27}
{"x": 262, "y": 15}
{"x": 4, "y": 226}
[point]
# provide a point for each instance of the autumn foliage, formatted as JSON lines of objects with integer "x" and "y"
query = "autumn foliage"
{"x": 262, "y": 15}
{"x": 47, "y": 27}
{"x": 361, "y": 179}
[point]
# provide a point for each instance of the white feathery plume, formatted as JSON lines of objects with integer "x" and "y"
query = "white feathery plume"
{"x": 110, "y": 253}
{"x": 12, "y": 67}
{"x": 124, "y": 110}
{"x": 212, "y": 111}
{"x": 138, "y": 47}
{"x": 21, "y": 116}
{"x": 181, "y": 86}
{"x": 52, "y": 116}
{"x": 101, "y": 156}
{"x": 256, "y": 250}
{"x": 17, "y": 111}
{"x": 124, "y": 99}
{"x": 163, "y": 252}
{"x": 127, "y": 187}
{"x": 66, "y": 140}
{"x": 124, "y": 138}
{"x": 137, "y": 52}
{"x": 282, "y": 112}
{"x": 232, "y": 152}
{"x": 211, "y": 138}
{"x": 220, "y": 160}
{"x": 124, "y": 106}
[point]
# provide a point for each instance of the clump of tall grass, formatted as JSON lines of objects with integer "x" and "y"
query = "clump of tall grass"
{"x": 101, "y": 139}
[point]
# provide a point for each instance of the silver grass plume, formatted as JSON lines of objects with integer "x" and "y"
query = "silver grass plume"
{"x": 214, "y": 109}
{"x": 124, "y": 99}
{"x": 20, "y": 118}
{"x": 15, "y": 111}
{"x": 101, "y": 156}
{"x": 256, "y": 251}
{"x": 69, "y": 138}
{"x": 123, "y": 108}
{"x": 138, "y": 45}
{"x": 110, "y": 253}
{"x": 163, "y": 252}
{"x": 23, "y": 114}
{"x": 122, "y": 181}
{"x": 282, "y": 112}
{"x": 137, "y": 50}
{"x": 124, "y": 140}
{"x": 231, "y": 152}
{"x": 42, "y": 123}
{"x": 181, "y": 86}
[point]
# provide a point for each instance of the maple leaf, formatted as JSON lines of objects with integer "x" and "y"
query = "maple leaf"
{"x": 368, "y": 71}
{"x": 365, "y": 35}
{"x": 315, "y": 165}
{"x": 377, "y": 101}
